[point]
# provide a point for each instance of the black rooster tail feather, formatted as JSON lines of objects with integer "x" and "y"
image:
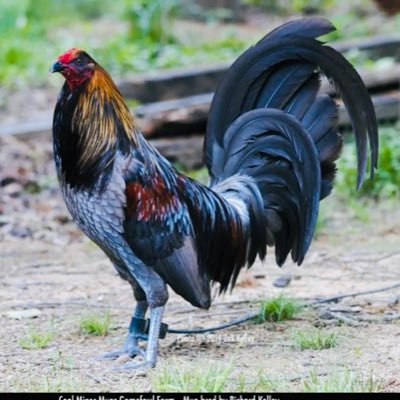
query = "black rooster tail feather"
{"x": 320, "y": 122}
{"x": 292, "y": 55}
{"x": 274, "y": 149}
{"x": 268, "y": 122}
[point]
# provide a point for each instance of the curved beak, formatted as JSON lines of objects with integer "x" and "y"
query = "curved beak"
{"x": 57, "y": 67}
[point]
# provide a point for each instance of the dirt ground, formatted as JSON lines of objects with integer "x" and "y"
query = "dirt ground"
{"x": 52, "y": 276}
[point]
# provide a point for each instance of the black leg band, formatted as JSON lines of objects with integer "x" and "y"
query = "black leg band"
{"x": 140, "y": 327}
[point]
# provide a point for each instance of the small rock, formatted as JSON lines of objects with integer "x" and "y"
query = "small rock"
{"x": 13, "y": 189}
{"x": 5, "y": 220}
{"x": 345, "y": 309}
{"x": 325, "y": 314}
{"x": 23, "y": 314}
{"x": 394, "y": 300}
{"x": 20, "y": 232}
{"x": 282, "y": 281}
{"x": 62, "y": 218}
{"x": 8, "y": 180}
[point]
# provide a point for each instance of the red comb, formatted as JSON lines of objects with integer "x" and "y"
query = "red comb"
{"x": 68, "y": 55}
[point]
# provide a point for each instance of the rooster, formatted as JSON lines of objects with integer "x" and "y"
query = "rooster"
{"x": 270, "y": 149}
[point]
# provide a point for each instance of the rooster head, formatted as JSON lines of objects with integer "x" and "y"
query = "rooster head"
{"x": 76, "y": 66}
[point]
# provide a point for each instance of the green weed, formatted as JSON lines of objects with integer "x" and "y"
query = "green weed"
{"x": 215, "y": 378}
{"x": 212, "y": 379}
{"x": 314, "y": 339}
{"x": 95, "y": 324}
{"x": 279, "y": 308}
{"x": 322, "y": 221}
{"x": 34, "y": 33}
{"x": 386, "y": 183}
{"x": 341, "y": 382}
{"x": 47, "y": 383}
{"x": 151, "y": 20}
{"x": 265, "y": 383}
{"x": 36, "y": 339}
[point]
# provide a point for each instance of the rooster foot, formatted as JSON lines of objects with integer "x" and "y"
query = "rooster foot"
{"x": 152, "y": 344}
{"x": 131, "y": 349}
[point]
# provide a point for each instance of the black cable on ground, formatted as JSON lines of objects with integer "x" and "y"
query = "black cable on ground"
{"x": 251, "y": 316}
{"x": 235, "y": 322}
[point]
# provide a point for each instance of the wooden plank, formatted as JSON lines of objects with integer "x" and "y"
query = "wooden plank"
{"x": 374, "y": 46}
{"x": 391, "y": 7}
{"x": 387, "y": 108}
{"x": 172, "y": 118}
{"x": 190, "y": 113}
{"x": 184, "y": 82}
{"x": 164, "y": 118}
{"x": 188, "y": 151}
{"x": 28, "y": 129}
{"x": 172, "y": 83}
{"x": 376, "y": 80}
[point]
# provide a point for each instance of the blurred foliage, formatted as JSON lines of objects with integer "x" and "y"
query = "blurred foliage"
{"x": 141, "y": 35}
{"x": 128, "y": 36}
{"x": 352, "y": 24}
{"x": 27, "y": 42}
{"x": 151, "y": 20}
{"x": 292, "y": 6}
{"x": 122, "y": 55}
{"x": 359, "y": 58}
{"x": 354, "y": 18}
{"x": 386, "y": 184}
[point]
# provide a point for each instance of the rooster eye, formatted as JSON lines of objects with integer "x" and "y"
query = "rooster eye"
{"x": 78, "y": 61}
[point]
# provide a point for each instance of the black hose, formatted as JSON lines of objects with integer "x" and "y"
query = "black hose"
{"x": 251, "y": 316}
{"x": 238, "y": 321}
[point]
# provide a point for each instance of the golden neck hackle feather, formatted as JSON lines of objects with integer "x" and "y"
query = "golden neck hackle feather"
{"x": 100, "y": 116}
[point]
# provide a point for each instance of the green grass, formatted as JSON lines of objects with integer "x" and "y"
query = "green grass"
{"x": 386, "y": 184}
{"x": 351, "y": 19}
{"x": 142, "y": 37}
{"x": 61, "y": 377}
{"x": 36, "y": 339}
{"x": 279, "y": 308}
{"x": 214, "y": 378}
{"x": 54, "y": 382}
{"x": 345, "y": 381}
{"x": 316, "y": 339}
{"x": 323, "y": 218}
{"x": 151, "y": 20}
{"x": 359, "y": 210}
{"x": 264, "y": 383}
{"x": 95, "y": 324}
{"x": 291, "y": 6}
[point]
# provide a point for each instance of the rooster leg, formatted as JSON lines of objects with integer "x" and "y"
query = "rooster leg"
{"x": 152, "y": 346}
{"x": 131, "y": 345}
